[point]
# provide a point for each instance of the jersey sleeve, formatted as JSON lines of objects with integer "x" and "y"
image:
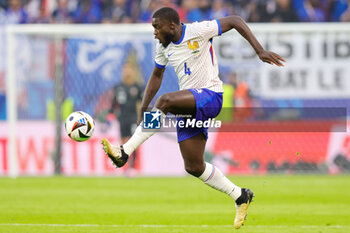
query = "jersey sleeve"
{"x": 208, "y": 29}
{"x": 160, "y": 59}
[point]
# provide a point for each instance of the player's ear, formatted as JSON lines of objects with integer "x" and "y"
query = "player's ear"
{"x": 172, "y": 25}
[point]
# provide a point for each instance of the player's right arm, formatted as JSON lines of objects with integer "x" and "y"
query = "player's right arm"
{"x": 151, "y": 90}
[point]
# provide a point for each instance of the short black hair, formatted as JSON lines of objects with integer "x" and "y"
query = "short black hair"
{"x": 167, "y": 13}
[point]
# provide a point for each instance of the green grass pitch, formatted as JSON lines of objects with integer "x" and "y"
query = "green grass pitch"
{"x": 306, "y": 204}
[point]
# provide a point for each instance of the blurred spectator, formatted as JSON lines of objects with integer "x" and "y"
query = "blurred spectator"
{"x": 133, "y": 11}
{"x": 338, "y": 9}
{"x": 88, "y": 11}
{"x": 204, "y": 7}
{"x": 117, "y": 12}
{"x": 42, "y": 17}
{"x": 62, "y": 14}
{"x": 175, "y": 5}
{"x": 226, "y": 114}
{"x": 282, "y": 11}
{"x": 147, "y": 9}
{"x": 237, "y": 7}
{"x": 33, "y": 9}
{"x": 300, "y": 9}
{"x": 2, "y": 16}
{"x": 311, "y": 10}
{"x": 257, "y": 12}
{"x": 3, "y": 3}
{"x": 345, "y": 16}
{"x": 219, "y": 10}
{"x": 316, "y": 11}
{"x": 193, "y": 13}
{"x": 127, "y": 95}
{"x": 242, "y": 100}
{"x": 15, "y": 13}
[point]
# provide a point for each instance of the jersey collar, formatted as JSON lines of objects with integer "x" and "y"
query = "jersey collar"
{"x": 183, "y": 34}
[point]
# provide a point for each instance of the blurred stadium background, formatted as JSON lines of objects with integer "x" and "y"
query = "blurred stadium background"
{"x": 62, "y": 56}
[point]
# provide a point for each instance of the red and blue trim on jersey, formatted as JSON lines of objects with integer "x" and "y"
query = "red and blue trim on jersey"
{"x": 177, "y": 42}
{"x": 182, "y": 35}
{"x": 211, "y": 51}
{"x": 219, "y": 27}
{"x": 211, "y": 42}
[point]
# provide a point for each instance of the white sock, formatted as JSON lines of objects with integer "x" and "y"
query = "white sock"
{"x": 140, "y": 136}
{"x": 213, "y": 177}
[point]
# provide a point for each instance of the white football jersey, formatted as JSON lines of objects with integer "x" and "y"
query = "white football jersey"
{"x": 193, "y": 56}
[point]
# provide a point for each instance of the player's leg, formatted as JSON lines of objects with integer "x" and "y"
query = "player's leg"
{"x": 127, "y": 129}
{"x": 115, "y": 153}
{"x": 124, "y": 139}
{"x": 192, "y": 151}
{"x": 130, "y": 171}
{"x": 178, "y": 102}
{"x": 130, "y": 128}
{"x": 132, "y": 156}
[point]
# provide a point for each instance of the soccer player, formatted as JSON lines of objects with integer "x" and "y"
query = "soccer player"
{"x": 126, "y": 96}
{"x": 189, "y": 49}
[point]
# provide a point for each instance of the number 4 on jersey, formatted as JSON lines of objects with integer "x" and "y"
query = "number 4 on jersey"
{"x": 187, "y": 69}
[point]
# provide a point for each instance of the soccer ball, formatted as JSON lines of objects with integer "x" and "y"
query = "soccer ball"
{"x": 79, "y": 126}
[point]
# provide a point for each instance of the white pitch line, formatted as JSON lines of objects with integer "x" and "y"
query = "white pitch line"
{"x": 98, "y": 225}
{"x": 163, "y": 226}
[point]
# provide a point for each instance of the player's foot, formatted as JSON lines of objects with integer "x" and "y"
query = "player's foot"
{"x": 242, "y": 204}
{"x": 115, "y": 153}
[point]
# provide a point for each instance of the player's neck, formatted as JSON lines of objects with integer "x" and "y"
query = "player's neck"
{"x": 178, "y": 33}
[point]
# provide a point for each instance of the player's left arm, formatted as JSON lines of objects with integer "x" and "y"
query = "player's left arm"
{"x": 241, "y": 26}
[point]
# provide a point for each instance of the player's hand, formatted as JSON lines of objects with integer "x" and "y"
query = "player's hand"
{"x": 271, "y": 58}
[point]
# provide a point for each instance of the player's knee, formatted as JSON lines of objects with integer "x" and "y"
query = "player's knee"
{"x": 164, "y": 102}
{"x": 194, "y": 170}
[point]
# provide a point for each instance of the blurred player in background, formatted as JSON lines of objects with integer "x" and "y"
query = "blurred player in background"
{"x": 126, "y": 97}
{"x": 189, "y": 49}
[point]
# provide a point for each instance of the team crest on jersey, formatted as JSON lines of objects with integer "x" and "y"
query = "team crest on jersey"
{"x": 198, "y": 90}
{"x": 193, "y": 46}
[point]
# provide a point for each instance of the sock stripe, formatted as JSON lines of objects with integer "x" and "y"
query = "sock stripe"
{"x": 211, "y": 175}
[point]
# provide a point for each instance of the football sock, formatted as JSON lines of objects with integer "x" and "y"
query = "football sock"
{"x": 213, "y": 177}
{"x": 140, "y": 136}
